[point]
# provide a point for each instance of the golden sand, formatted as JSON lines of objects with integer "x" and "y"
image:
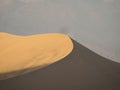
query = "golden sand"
{"x": 19, "y": 53}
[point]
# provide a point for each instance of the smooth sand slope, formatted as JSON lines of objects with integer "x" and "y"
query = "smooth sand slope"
{"x": 80, "y": 70}
{"x": 18, "y": 53}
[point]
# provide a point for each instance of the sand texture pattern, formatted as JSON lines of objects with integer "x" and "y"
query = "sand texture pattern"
{"x": 23, "y": 52}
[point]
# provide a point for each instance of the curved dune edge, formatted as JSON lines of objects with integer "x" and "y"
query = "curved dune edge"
{"x": 19, "y": 53}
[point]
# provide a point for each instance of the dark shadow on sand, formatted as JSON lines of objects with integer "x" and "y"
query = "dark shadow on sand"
{"x": 80, "y": 70}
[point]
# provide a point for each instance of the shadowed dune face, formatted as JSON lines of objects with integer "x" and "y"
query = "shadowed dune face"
{"x": 22, "y": 52}
{"x": 82, "y": 69}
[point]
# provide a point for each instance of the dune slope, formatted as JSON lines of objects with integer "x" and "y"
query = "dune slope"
{"x": 82, "y": 69}
{"x": 18, "y": 53}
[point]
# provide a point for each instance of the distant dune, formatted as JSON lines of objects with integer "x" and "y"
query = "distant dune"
{"x": 82, "y": 69}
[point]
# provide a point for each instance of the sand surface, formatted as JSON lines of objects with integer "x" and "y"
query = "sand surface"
{"x": 82, "y": 69}
{"x": 18, "y": 53}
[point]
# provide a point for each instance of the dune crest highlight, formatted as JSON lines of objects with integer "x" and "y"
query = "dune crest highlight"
{"x": 23, "y": 52}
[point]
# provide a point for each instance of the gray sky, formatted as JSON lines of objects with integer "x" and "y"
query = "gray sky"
{"x": 93, "y": 23}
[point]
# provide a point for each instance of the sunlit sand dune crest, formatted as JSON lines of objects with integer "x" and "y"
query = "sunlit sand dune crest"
{"x": 23, "y": 52}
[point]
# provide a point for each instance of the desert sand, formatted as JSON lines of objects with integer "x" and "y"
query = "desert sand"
{"x": 82, "y": 69}
{"x": 19, "y": 53}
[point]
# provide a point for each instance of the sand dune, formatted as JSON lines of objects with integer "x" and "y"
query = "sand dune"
{"x": 80, "y": 70}
{"x": 22, "y": 52}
